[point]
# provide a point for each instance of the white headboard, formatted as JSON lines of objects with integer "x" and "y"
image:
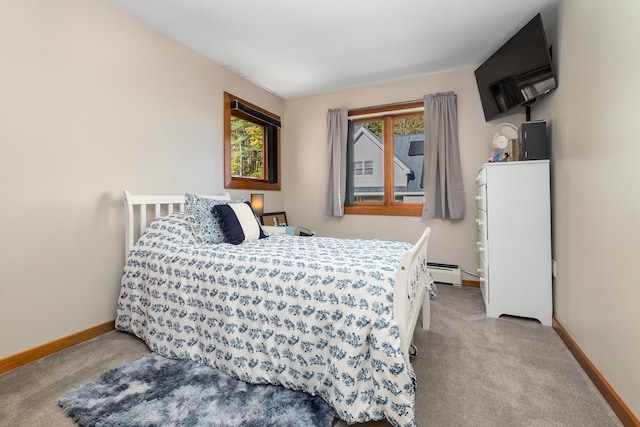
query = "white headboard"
{"x": 139, "y": 211}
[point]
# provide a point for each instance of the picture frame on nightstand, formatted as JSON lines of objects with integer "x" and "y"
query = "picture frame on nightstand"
{"x": 278, "y": 219}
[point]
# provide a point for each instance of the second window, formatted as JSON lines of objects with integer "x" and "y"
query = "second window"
{"x": 388, "y": 160}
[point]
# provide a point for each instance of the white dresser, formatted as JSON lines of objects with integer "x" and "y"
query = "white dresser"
{"x": 514, "y": 239}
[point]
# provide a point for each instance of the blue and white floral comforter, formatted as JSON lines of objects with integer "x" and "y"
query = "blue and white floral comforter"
{"x": 311, "y": 314}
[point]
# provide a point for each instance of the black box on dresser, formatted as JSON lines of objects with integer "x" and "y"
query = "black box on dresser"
{"x": 533, "y": 141}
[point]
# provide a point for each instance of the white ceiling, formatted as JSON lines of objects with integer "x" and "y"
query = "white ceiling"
{"x": 295, "y": 48}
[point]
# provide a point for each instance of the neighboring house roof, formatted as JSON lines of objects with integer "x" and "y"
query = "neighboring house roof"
{"x": 412, "y": 163}
{"x": 402, "y": 144}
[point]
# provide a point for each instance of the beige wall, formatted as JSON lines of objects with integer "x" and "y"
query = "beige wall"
{"x": 595, "y": 175}
{"x": 93, "y": 102}
{"x": 306, "y": 173}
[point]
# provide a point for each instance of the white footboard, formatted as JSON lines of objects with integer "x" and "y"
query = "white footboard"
{"x": 410, "y": 292}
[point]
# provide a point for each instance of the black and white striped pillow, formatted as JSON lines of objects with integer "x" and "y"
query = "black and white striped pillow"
{"x": 239, "y": 224}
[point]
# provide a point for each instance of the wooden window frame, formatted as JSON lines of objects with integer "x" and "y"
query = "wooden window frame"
{"x": 233, "y": 182}
{"x": 386, "y": 113}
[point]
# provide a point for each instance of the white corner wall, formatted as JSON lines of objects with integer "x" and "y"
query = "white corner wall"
{"x": 595, "y": 201}
{"x": 93, "y": 102}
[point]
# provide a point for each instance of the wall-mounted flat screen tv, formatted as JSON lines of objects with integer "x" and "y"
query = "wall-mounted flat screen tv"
{"x": 517, "y": 73}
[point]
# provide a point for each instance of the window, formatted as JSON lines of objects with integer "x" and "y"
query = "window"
{"x": 388, "y": 159}
{"x": 363, "y": 167}
{"x": 251, "y": 146}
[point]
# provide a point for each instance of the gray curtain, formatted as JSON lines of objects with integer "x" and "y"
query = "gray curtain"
{"x": 337, "y": 125}
{"x": 350, "y": 197}
{"x": 443, "y": 192}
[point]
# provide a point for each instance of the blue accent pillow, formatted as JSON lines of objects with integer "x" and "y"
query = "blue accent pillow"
{"x": 239, "y": 223}
{"x": 204, "y": 223}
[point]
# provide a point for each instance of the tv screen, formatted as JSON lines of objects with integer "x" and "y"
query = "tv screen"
{"x": 517, "y": 73}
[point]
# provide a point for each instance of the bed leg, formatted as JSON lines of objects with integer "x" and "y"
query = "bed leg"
{"x": 413, "y": 351}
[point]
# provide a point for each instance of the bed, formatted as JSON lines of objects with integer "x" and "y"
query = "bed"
{"x": 331, "y": 317}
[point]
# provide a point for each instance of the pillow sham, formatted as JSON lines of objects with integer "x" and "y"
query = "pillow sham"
{"x": 204, "y": 222}
{"x": 239, "y": 223}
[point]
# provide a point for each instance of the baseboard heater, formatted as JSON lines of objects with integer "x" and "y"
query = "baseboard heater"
{"x": 445, "y": 273}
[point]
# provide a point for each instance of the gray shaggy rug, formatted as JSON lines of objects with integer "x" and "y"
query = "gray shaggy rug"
{"x": 156, "y": 391}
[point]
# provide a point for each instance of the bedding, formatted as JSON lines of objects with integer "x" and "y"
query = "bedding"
{"x": 311, "y": 314}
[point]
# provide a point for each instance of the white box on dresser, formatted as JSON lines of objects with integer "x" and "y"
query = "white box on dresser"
{"x": 514, "y": 239}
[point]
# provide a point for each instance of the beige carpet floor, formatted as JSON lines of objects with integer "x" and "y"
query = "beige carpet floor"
{"x": 471, "y": 371}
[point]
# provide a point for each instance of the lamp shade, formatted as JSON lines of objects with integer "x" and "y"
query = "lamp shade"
{"x": 257, "y": 204}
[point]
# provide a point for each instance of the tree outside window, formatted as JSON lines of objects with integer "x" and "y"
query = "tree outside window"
{"x": 247, "y": 149}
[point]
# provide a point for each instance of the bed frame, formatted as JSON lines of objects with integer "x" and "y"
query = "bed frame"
{"x": 140, "y": 210}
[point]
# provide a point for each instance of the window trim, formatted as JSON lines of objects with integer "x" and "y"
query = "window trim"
{"x": 389, "y": 206}
{"x": 251, "y": 183}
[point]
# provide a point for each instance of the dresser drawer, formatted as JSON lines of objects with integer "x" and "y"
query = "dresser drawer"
{"x": 482, "y": 248}
{"x": 481, "y": 222}
{"x": 483, "y": 272}
{"x": 481, "y": 178}
{"x": 482, "y": 243}
{"x": 481, "y": 197}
